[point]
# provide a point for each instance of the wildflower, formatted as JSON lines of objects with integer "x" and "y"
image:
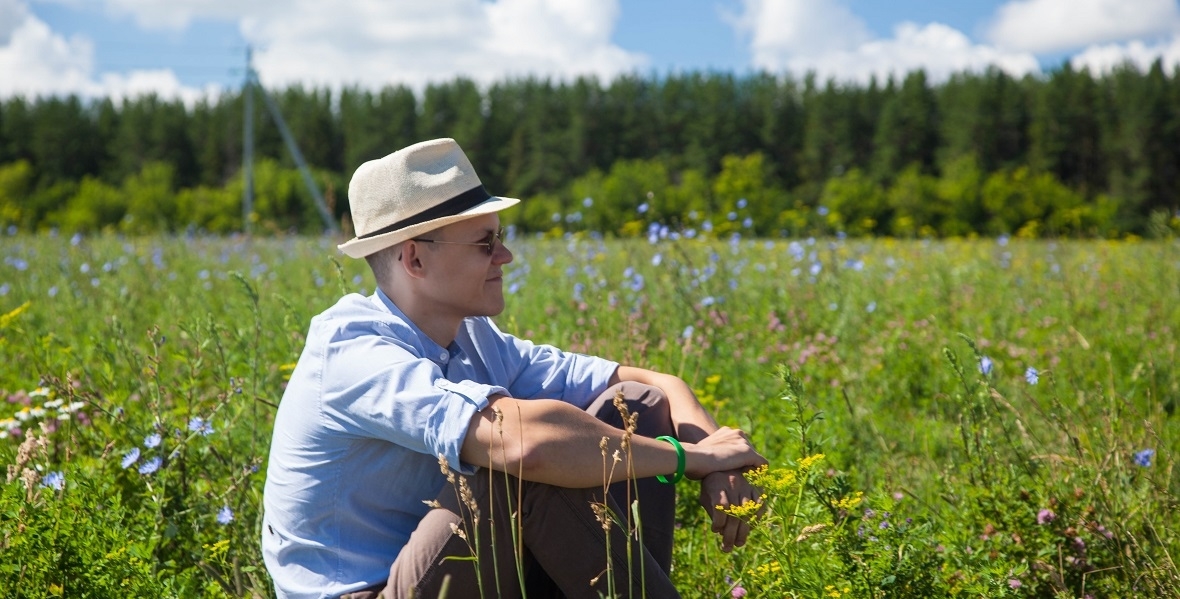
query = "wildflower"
{"x": 54, "y": 480}
{"x": 1032, "y": 376}
{"x": 1045, "y": 516}
{"x": 197, "y": 424}
{"x": 151, "y": 465}
{"x": 1143, "y": 458}
{"x": 810, "y": 461}
{"x": 130, "y": 457}
{"x": 738, "y": 592}
{"x": 748, "y": 510}
{"x": 985, "y": 366}
{"x": 1014, "y": 583}
{"x": 152, "y": 441}
{"x": 225, "y": 516}
{"x": 850, "y": 501}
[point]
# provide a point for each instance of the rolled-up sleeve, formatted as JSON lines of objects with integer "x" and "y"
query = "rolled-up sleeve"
{"x": 381, "y": 388}
{"x": 538, "y": 371}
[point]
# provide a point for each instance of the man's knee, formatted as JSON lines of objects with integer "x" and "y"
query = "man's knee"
{"x": 650, "y": 402}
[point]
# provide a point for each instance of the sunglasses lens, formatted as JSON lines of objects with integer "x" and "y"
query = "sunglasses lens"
{"x": 492, "y": 239}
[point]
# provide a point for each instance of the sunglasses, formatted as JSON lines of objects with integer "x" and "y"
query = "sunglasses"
{"x": 488, "y": 244}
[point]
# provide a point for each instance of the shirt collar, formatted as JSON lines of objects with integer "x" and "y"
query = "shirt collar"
{"x": 433, "y": 351}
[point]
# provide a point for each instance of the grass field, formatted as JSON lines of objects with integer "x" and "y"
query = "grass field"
{"x": 971, "y": 418}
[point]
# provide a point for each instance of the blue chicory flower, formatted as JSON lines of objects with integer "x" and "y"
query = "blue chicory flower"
{"x": 130, "y": 457}
{"x": 54, "y": 480}
{"x": 197, "y": 424}
{"x": 1143, "y": 458}
{"x": 225, "y": 516}
{"x": 1032, "y": 375}
{"x": 152, "y": 441}
{"x": 151, "y": 465}
{"x": 985, "y": 366}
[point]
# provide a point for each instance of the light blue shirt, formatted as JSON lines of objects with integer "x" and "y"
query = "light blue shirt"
{"x": 371, "y": 405}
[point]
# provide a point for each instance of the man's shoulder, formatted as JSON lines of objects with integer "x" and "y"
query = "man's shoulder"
{"x": 359, "y": 314}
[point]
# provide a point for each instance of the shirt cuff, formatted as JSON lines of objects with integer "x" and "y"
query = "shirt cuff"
{"x": 476, "y": 396}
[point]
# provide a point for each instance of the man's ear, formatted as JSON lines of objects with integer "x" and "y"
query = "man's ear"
{"x": 410, "y": 259}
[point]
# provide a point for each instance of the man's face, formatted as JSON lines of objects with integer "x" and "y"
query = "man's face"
{"x": 463, "y": 280}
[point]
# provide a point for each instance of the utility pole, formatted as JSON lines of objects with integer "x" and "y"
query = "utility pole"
{"x": 289, "y": 139}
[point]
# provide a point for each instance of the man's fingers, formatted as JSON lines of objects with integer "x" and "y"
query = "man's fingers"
{"x": 743, "y": 533}
{"x": 730, "y": 534}
{"x": 719, "y": 518}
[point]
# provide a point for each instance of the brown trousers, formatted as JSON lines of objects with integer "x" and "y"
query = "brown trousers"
{"x": 563, "y": 548}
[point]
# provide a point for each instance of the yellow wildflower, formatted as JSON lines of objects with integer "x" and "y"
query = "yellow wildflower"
{"x": 775, "y": 481}
{"x": 850, "y": 501}
{"x": 9, "y": 317}
{"x": 806, "y": 463}
{"x": 748, "y": 510}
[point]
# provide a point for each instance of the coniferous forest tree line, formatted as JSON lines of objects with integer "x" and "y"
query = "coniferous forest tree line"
{"x": 1067, "y": 153}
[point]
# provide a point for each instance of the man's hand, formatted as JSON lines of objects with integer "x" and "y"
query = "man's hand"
{"x": 726, "y": 489}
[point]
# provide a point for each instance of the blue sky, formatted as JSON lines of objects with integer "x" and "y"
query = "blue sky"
{"x": 191, "y": 48}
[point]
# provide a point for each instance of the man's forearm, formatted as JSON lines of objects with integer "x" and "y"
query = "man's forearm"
{"x": 691, "y": 420}
{"x": 556, "y": 443}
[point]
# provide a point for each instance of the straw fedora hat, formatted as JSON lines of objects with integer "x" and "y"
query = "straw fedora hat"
{"x": 414, "y": 190}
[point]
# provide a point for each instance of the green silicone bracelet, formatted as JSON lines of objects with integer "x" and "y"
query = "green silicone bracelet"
{"x": 679, "y": 461}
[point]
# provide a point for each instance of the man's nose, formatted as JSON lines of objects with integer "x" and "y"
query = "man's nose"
{"x": 502, "y": 255}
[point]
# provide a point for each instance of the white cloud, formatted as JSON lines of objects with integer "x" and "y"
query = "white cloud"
{"x": 13, "y": 14}
{"x": 162, "y": 82}
{"x": 802, "y": 36}
{"x": 1102, "y": 59}
{"x": 1054, "y": 25}
{"x": 374, "y": 42}
{"x": 36, "y": 61}
{"x": 177, "y": 14}
{"x": 784, "y": 28}
{"x": 938, "y": 49}
{"x": 317, "y": 43}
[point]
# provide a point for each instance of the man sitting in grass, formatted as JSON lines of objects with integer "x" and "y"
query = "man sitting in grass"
{"x": 413, "y": 430}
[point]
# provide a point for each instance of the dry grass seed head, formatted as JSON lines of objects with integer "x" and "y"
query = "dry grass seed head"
{"x": 808, "y": 531}
{"x": 602, "y": 514}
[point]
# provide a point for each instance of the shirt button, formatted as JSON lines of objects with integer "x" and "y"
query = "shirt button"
{"x": 443, "y": 356}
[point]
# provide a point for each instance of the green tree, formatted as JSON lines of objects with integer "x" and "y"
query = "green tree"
{"x": 960, "y": 191}
{"x": 16, "y": 182}
{"x": 150, "y": 200}
{"x": 1145, "y": 173}
{"x": 855, "y": 203}
{"x": 374, "y": 125}
{"x": 151, "y": 130}
{"x": 64, "y": 142}
{"x": 747, "y": 196}
{"x": 96, "y": 206}
{"x": 1065, "y": 132}
{"x": 908, "y": 130}
{"x": 455, "y": 110}
{"x": 914, "y": 204}
{"x": 984, "y": 115}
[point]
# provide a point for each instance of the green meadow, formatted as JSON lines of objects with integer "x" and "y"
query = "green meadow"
{"x": 986, "y": 417}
